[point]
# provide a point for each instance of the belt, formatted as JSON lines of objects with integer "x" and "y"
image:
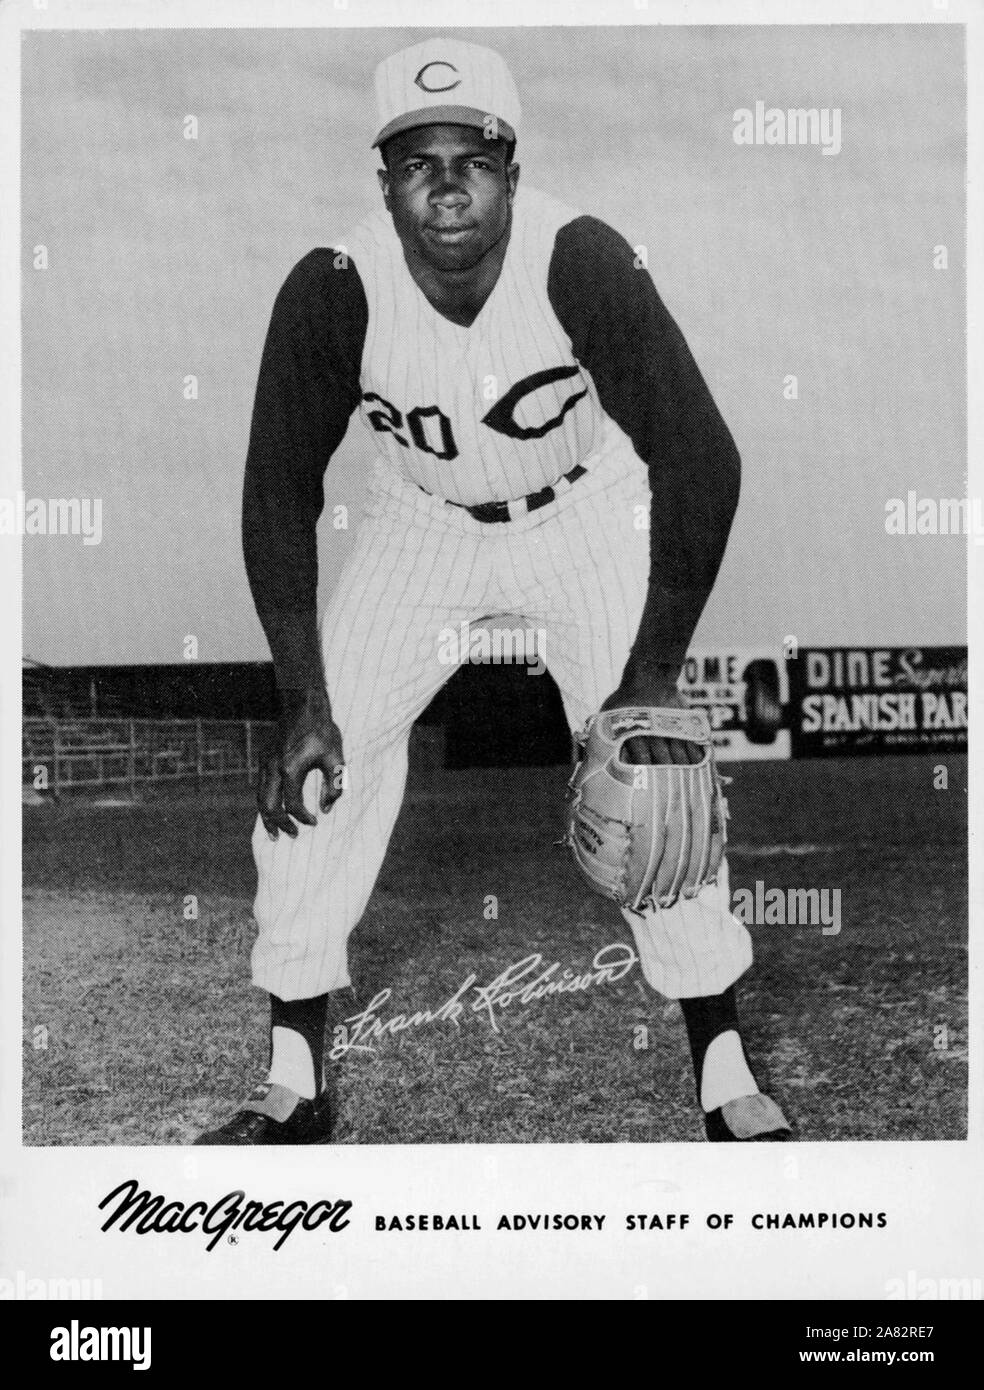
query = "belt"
{"x": 510, "y": 511}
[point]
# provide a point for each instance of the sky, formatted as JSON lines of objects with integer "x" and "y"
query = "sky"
{"x": 165, "y": 254}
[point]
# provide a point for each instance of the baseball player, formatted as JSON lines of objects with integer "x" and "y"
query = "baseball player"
{"x": 530, "y": 399}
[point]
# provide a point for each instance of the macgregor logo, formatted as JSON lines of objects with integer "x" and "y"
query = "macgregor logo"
{"x": 154, "y": 1215}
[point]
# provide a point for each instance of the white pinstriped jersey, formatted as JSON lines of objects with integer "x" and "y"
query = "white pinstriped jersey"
{"x": 572, "y": 344}
{"x": 485, "y": 413}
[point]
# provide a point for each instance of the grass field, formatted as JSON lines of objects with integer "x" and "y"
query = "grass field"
{"x": 141, "y": 1027}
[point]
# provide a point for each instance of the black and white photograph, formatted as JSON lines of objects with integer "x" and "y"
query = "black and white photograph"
{"x": 491, "y": 505}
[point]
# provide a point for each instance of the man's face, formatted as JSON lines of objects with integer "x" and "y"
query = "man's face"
{"x": 449, "y": 191}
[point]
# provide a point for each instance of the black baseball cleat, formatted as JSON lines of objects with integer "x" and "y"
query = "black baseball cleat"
{"x": 747, "y": 1120}
{"x": 275, "y": 1115}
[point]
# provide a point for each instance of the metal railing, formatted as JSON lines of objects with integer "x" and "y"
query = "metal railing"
{"x": 59, "y": 755}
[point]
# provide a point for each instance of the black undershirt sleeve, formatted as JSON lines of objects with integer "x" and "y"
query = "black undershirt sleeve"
{"x": 650, "y": 385}
{"x": 307, "y": 390}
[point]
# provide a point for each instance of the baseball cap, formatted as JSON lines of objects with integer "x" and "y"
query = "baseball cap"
{"x": 445, "y": 82}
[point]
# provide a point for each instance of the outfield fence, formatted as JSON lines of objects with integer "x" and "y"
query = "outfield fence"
{"x": 62, "y": 755}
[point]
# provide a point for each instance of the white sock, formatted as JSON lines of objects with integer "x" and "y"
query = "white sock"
{"x": 292, "y": 1064}
{"x": 725, "y": 1074}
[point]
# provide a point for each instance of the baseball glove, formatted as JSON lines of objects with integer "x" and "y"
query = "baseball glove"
{"x": 644, "y": 835}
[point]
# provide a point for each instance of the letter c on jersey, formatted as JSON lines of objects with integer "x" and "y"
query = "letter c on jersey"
{"x": 390, "y": 420}
{"x": 502, "y": 415}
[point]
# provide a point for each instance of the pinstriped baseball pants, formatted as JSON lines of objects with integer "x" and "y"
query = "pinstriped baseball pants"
{"x": 577, "y": 569}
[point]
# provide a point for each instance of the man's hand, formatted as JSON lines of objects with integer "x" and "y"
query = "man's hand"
{"x": 306, "y": 740}
{"x": 659, "y": 693}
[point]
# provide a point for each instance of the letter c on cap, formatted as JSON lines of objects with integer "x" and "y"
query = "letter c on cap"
{"x": 419, "y": 79}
